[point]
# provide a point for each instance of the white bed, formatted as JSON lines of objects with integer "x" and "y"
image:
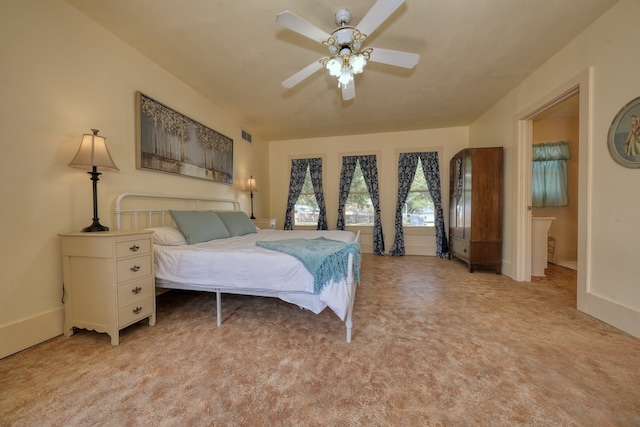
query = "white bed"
{"x": 235, "y": 265}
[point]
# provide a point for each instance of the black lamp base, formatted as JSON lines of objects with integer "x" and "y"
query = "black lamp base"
{"x": 96, "y": 226}
{"x": 252, "y": 217}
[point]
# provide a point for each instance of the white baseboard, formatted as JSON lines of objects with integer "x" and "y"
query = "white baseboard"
{"x": 424, "y": 250}
{"x": 25, "y": 333}
{"x": 615, "y": 314}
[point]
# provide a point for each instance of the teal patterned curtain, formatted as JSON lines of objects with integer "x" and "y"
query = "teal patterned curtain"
{"x": 549, "y": 174}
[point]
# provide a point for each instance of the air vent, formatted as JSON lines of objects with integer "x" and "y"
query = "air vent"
{"x": 246, "y": 136}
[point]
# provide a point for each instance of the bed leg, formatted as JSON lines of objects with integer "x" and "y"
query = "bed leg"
{"x": 352, "y": 291}
{"x": 218, "y": 309}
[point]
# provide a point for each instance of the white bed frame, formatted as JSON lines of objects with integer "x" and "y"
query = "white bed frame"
{"x": 156, "y": 213}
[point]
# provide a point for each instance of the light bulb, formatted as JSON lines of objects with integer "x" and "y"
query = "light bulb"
{"x": 357, "y": 63}
{"x": 346, "y": 75}
{"x": 334, "y": 65}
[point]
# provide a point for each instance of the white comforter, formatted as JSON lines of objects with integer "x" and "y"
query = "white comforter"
{"x": 237, "y": 264}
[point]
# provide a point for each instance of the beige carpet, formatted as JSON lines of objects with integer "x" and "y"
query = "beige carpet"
{"x": 432, "y": 345}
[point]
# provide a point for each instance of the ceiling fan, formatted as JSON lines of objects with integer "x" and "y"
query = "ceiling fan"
{"x": 347, "y": 57}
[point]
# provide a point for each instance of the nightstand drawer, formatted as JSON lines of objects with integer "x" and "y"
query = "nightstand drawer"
{"x": 135, "y": 311}
{"x": 134, "y": 290}
{"x": 133, "y": 268}
{"x": 133, "y": 247}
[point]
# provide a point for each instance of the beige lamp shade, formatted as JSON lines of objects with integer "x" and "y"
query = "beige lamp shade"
{"x": 251, "y": 185}
{"x": 93, "y": 151}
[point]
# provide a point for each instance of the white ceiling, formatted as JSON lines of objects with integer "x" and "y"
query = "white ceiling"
{"x": 472, "y": 53}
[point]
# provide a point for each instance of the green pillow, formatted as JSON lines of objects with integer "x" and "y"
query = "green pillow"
{"x": 237, "y": 222}
{"x": 200, "y": 226}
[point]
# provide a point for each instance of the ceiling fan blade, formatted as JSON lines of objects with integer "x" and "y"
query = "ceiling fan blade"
{"x": 349, "y": 91}
{"x": 303, "y": 74}
{"x": 301, "y": 26}
{"x": 378, "y": 13}
{"x": 394, "y": 57}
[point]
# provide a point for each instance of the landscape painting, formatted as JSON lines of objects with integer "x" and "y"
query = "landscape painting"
{"x": 168, "y": 141}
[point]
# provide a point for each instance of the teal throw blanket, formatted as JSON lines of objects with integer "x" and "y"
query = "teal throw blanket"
{"x": 324, "y": 258}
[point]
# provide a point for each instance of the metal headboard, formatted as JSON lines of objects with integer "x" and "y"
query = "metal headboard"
{"x": 195, "y": 203}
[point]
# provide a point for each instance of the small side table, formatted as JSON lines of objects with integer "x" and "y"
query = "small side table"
{"x": 265, "y": 223}
{"x": 108, "y": 280}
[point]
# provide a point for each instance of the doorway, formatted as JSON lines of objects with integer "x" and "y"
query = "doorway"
{"x": 573, "y": 94}
{"x": 561, "y": 122}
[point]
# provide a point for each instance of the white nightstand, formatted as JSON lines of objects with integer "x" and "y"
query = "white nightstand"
{"x": 265, "y": 223}
{"x": 108, "y": 280}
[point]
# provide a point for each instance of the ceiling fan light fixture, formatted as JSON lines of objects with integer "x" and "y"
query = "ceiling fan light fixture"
{"x": 347, "y": 56}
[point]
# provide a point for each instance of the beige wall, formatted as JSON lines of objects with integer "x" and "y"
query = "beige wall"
{"x": 564, "y": 228}
{"x": 61, "y": 76}
{"x": 610, "y": 238}
{"x": 386, "y": 146}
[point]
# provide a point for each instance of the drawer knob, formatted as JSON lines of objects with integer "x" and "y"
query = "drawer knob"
{"x": 136, "y": 290}
{"x": 137, "y": 310}
{"x": 135, "y": 268}
{"x": 134, "y": 248}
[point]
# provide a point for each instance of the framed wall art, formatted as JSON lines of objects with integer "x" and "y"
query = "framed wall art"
{"x": 167, "y": 141}
{"x": 624, "y": 135}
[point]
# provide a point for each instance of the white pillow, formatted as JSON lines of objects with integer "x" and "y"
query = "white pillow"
{"x": 167, "y": 236}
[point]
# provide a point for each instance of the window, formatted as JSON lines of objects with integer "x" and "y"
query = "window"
{"x": 354, "y": 198}
{"x": 418, "y": 209}
{"x": 359, "y": 208}
{"x": 306, "y": 209}
{"x": 306, "y": 194}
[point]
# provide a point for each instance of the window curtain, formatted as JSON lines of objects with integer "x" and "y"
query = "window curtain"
{"x": 549, "y": 174}
{"x": 407, "y": 165}
{"x": 346, "y": 176}
{"x": 369, "y": 167}
{"x": 315, "y": 169}
{"x": 431, "y": 168}
{"x": 296, "y": 181}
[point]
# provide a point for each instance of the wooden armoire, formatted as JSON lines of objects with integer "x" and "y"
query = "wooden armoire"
{"x": 475, "y": 220}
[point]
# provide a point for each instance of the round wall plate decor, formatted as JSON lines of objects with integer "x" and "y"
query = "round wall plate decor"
{"x": 624, "y": 135}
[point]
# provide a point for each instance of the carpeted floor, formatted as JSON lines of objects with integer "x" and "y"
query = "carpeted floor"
{"x": 432, "y": 345}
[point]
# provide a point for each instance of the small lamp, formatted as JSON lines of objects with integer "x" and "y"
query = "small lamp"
{"x": 251, "y": 188}
{"x": 93, "y": 154}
